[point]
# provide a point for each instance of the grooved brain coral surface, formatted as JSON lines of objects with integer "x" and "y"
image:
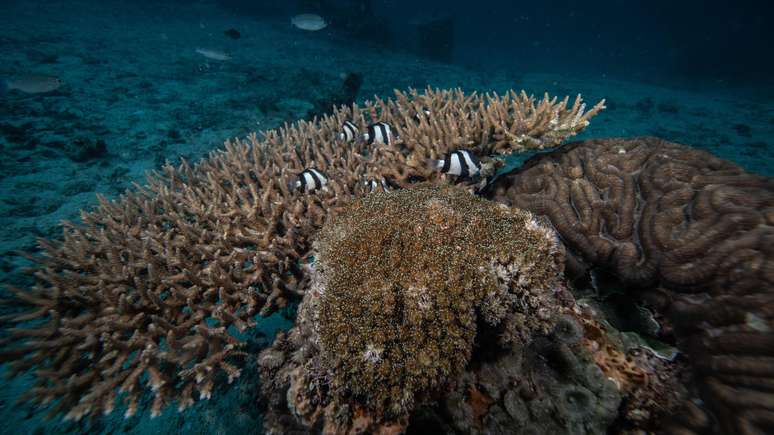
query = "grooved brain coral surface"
{"x": 656, "y": 212}
{"x": 660, "y": 214}
{"x": 403, "y": 275}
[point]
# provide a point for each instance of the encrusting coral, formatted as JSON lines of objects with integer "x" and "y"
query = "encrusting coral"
{"x": 404, "y": 286}
{"x": 696, "y": 228}
{"x": 402, "y": 276}
{"x": 149, "y": 288}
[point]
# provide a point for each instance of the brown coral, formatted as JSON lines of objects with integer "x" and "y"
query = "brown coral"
{"x": 616, "y": 366}
{"x": 659, "y": 214}
{"x": 442, "y": 121}
{"x": 363, "y": 327}
{"x": 149, "y": 286}
{"x": 401, "y": 277}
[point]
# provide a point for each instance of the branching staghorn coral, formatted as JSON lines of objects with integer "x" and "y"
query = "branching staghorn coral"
{"x": 144, "y": 292}
{"x": 442, "y": 121}
{"x": 662, "y": 215}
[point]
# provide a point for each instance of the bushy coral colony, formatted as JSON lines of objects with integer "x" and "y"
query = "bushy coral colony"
{"x": 401, "y": 277}
{"x": 430, "y": 296}
{"x": 406, "y": 287}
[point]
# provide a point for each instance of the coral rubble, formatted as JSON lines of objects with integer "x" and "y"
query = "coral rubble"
{"x": 662, "y": 215}
{"x": 149, "y": 291}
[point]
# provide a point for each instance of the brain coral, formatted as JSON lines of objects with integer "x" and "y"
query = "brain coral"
{"x": 659, "y": 214}
{"x": 402, "y": 278}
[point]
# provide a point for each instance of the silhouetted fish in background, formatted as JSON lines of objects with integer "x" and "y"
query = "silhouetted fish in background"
{"x": 31, "y": 84}
{"x": 233, "y": 33}
{"x": 213, "y": 54}
{"x": 309, "y": 22}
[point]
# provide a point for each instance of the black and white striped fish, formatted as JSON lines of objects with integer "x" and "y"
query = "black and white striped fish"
{"x": 426, "y": 111}
{"x": 348, "y": 132}
{"x": 309, "y": 180}
{"x": 380, "y": 133}
{"x": 373, "y": 185}
{"x": 461, "y": 163}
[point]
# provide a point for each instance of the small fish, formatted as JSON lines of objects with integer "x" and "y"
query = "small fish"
{"x": 426, "y": 111}
{"x": 233, "y": 33}
{"x": 213, "y": 54}
{"x": 348, "y": 132}
{"x": 373, "y": 185}
{"x": 31, "y": 84}
{"x": 310, "y": 22}
{"x": 309, "y": 180}
{"x": 380, "y": 133}
{"x": 461, "y": 163}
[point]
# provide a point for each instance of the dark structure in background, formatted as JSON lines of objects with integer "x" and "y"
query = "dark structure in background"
{"x": 730, "y": 40}
{"x": 344, "y": 96}
{"x": 348, "y": 18}
{"x": 657, "y": 40}
{"x": 257, "y": 8}
{"x": 435, "y": 39}
{"x": 358, "y": 19}
{"x": 701, "y": 43}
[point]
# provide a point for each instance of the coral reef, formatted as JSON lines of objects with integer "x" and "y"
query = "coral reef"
{"x": 152, "y": 289}
{"x": 344, "y": 96}
{"x": 435, "y": 38}
{"x": 401, "y": 277}
{"x": 488, "y": 124}
{"x": 447, "y": 330}
{"x": 696, "y": 228}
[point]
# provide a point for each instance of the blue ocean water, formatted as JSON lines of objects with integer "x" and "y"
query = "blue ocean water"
{"x": 96, "y": 93}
